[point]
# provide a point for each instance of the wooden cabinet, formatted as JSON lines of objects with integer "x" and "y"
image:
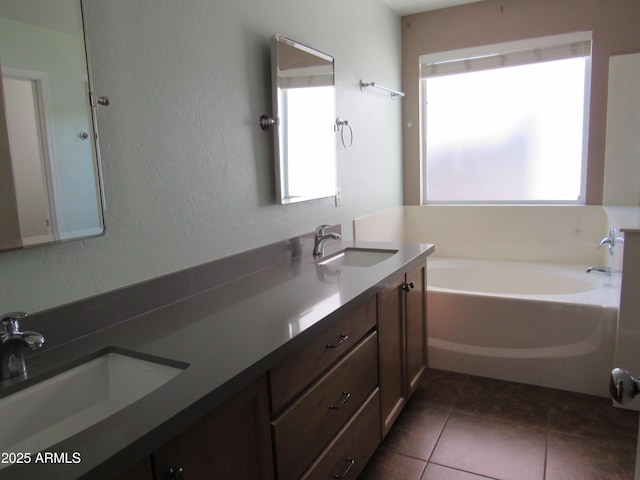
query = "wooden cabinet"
{"x": 294, "y": 374}
{"x": 140, "y": 471}
{"x": 232, "y": 442}
{"x": 305, "y": 428}
{"x": 402, "y": 342}
{"x": 349, "y": 452}
{"x": 321, "y": 412}
{"x": 415, "y": 316}
{"x": 391, "y": 353}
{"x": 318, "y": 430}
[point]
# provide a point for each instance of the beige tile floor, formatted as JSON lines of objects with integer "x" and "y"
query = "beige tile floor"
{"x": 461, "y": 427}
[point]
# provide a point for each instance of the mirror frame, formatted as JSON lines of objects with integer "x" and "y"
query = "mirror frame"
{"x": 279, "y": 134}
{"x": 92, "y": 103}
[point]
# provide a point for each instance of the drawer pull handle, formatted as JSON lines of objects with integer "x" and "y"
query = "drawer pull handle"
{"x": 343, "y": 399}
{"x": 343, "y": 338}
{"x": 350, "y": 463}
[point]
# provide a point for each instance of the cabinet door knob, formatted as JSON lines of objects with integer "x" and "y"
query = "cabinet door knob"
{"x": 408, "y": 286}
{"x": 176, "y": 473}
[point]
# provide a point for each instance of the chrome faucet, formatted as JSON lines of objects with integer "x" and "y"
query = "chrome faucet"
{"x": 605, "y": 270}
{"x": 12, "y": 344}
{"x": 611, "y": 241}
{"x": 320, "y": 238}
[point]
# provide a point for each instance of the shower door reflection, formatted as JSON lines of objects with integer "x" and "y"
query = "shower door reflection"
{"x": 50, "y": 184}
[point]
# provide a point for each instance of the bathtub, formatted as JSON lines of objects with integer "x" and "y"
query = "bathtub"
{"x": 540, "y": 324}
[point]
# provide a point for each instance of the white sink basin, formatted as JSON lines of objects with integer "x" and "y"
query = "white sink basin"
{"x": 357, "y": 257}
{"x": 39, "y": 416}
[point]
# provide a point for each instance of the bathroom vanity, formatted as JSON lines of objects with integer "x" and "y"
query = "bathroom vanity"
{"x": 285, "y": 361}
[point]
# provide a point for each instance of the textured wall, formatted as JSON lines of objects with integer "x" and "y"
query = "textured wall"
{"x": 622, "y": 165}
{"x": 188, "y": 173}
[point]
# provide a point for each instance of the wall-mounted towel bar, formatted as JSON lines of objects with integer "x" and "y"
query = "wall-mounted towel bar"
{"x": 394, "y": 93}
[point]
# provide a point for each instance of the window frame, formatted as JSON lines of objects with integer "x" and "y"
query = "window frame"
{"x": 496, "y": 49}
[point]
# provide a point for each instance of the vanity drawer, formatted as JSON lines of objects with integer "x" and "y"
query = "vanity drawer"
{"x": 303, "y": 366}
{"x": 348, "y": 454}
{"x": 307, "y": 426}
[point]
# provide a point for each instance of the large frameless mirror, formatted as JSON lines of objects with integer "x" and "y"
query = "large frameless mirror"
{"x": 50, "y": 181}
{"x": 304, "y": 100}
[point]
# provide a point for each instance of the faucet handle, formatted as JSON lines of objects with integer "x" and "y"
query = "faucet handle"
{"x": 10, "y": 322}
{"x": 605, "y": 241}
{"x": 320, "y": 229}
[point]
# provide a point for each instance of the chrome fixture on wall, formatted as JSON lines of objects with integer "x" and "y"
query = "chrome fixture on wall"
{"x": 103, "y": 101}
{"x": 394, "y": 93}
{"x": 266, "y": 122}
{"x": 340, "y": 125}
{"x": 611, "y": 241}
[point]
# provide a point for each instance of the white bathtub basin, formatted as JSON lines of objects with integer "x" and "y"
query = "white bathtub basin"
{"x": 528, "y": 280}
{"x": 39, "y": 416}
{"x": 497, "y": 279}
{"x": 551, "y": 325}
{"x": 357, "y": 257}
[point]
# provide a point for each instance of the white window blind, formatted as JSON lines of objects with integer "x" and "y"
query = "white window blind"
{"x": 504, "y": 58}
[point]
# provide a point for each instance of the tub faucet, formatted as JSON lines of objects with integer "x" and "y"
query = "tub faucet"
{"x": 605, "y": 270}
{"x": 320, "y": 238}
{"x": 611, "y": 241}
{"x": 12, "y": 344}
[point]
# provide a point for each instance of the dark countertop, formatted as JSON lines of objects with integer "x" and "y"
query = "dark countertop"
{"x": 228, "y": 335}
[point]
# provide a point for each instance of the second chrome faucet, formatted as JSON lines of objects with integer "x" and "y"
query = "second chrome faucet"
{"x": 12, "y": 345}
{"x": 321, "y": 237}
{"x": 611, "y": 241}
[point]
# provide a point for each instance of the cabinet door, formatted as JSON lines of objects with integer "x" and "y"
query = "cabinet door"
{"x": 391, "y": 353}
{"x": 140, "y": 471}
{"x": 232, "y": 442}
{"x": 416, "y": 327}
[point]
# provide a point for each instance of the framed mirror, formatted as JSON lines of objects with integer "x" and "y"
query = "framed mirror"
{"x": 305, "y": 115}
{"x": 50, "y": 178}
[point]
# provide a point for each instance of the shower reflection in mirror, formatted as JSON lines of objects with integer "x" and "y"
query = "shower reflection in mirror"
{"x": 50, "y": 186}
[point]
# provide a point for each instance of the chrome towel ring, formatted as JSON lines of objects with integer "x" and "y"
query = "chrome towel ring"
{"x": 340, "y": 125}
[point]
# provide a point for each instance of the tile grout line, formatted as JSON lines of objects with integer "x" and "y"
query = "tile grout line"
{"x": 546, "y": 445}
{"x": 444, "y": 425}
{"x": 428, "y": 459}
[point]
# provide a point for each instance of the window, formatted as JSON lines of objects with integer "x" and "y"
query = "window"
{"x": 506, "y": 123}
